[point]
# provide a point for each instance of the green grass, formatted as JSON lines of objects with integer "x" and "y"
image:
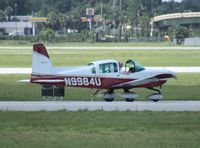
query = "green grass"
{"x": 82, "y": 57}
{"x": 99, "y": 129}
{"x": 186, "y": 87}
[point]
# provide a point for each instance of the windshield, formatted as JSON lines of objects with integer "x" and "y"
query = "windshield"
{"x": 133, "y": 66}
{"x": 138, "y": 67}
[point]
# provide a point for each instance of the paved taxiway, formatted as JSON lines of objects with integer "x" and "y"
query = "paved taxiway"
{"x": 100, "y": 105}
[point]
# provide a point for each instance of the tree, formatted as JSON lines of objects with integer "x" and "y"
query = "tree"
{"x": 53, "y": 20}
{"x": 2, "y": 16}
{"x": 8, "y": 12}
{"x": 144, "y": 25}
{"x": 181, "y": 33}
{"x": 75, "y": 20}
{"x": 191, "y": 5}
{"x": 138, "y": 16}
{"x": 63, "y": 20}
{"x": 63, "y": 14}
{"x": 47, "y": 34}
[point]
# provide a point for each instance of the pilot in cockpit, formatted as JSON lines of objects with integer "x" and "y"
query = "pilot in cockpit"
{"x": 130, "y": 66}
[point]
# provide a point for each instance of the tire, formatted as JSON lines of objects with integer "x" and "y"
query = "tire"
{"x": 109, "y": 100}
{"x": 155, "y": 100}
{"x": 129, "y": 99}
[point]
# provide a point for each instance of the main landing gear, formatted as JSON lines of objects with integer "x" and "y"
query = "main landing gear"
{"x": 129, "y": 96}
{"x": 155, "y": 97}
{"x": 109, "y": 95}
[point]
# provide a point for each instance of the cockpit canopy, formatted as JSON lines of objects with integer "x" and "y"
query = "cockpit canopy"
{"x": 104, "y": 66}
{"x": 113, "y": 66}
{"x": 133, "y": 66}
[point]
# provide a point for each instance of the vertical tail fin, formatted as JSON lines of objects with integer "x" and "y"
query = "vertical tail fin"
{"x": 41, "y": 63}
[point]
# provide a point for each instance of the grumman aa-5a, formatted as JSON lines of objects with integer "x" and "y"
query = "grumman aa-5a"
{"x": 107, "y": 75}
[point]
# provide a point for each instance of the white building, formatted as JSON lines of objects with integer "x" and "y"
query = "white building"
{"x": 25, "y": 24}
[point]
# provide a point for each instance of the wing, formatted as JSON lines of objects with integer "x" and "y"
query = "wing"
{"x": 137, "y": 82}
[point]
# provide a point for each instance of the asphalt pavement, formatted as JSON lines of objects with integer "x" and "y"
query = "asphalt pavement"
{"x": 192, "y": 69}
{"x": 100, "y": 105}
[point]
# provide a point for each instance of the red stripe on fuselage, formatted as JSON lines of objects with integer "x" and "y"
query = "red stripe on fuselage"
{"x": 97, "y": 82}
{"x": 87, "y": 82}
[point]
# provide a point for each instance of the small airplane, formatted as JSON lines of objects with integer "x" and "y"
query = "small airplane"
{"x": 106, "y": 75}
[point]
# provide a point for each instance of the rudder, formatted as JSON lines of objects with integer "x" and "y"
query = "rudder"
{"x": 41, "y": 63}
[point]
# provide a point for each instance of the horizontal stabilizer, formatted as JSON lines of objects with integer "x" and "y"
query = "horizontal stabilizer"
{"x": 23, "y": 81}
{"x": 48, "y": 81}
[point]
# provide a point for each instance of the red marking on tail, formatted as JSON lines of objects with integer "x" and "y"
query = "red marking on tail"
{"x": 39, "y": 48}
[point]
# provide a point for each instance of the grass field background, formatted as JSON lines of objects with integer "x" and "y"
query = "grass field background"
{"x": 186, "y": 87}
{"x": 23, "y": 58}
{"x": 99, "y": 129}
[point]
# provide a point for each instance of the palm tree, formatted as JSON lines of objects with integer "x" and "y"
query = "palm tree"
{"x": 63, "y": 19}
{"x": 8, "y": 12}
{"x": 2, "y": 16}
{"x": 53, "y": 19}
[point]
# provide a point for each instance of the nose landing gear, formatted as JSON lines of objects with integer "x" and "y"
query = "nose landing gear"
{"x": 155, "y": 97}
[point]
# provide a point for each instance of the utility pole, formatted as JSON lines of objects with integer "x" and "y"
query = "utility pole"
{"x": 16, "y": 17}
{"x": 113, "y": 5}
{"x": 120, "y": 25}
{"x": 71, "y": 4}
{"x": 114, "y": 12}
{"x": 101, "y": 22}
{"x": 114, "y": 2}
{"x": 101, "y": 10}
{"x": 120, "y": 7}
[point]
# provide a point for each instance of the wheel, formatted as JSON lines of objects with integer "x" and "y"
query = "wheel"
{"x": 108, "y": 99}
{"x": 155, "y": 100}
{"x": 129, "y": 96}
{"x": 129, "y": 99}
{"x": 155, "y": 97}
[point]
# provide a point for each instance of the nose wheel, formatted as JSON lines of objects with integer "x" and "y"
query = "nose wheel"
{"x": 155, "y": 97}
